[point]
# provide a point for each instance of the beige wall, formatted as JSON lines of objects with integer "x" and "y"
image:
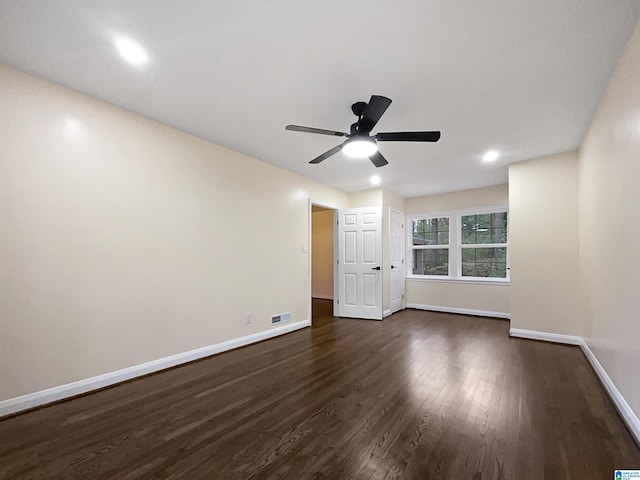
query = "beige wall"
{"x": 443, "y": 202}
{"x": 458, "y": 295}
{"x": 543, "y": 232}
{"x": 125, "y": 241}
{"x": 391, "y": 200}
{"x": 366, "y": 198}
{"x": 322, "y": 254}
{"x": 609, "y": 227}
{"x": 492, "y": 298}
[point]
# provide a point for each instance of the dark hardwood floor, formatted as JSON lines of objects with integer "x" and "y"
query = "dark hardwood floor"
{"x": 420, "y": 395}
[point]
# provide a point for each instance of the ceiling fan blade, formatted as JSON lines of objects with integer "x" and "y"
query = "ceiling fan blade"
{"x": 327, "y": 154}
{"x": 321, "y": 131}
{"x": 375, "y": 109}
{"x": 378, "y": 160}
{"x": 408, "y": 137}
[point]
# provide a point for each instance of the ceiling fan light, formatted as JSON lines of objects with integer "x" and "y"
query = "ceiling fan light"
{"x": 360, "y": 148}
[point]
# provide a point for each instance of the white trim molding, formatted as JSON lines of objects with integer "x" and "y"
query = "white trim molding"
{"x": 545, "y": 336}
{"x": 42, "y": 397}
{"x": 386, "y": 313}
{"x": 628, "y": 415}
{"x": 462, "y": 311}
{"x": 475, "y": 281}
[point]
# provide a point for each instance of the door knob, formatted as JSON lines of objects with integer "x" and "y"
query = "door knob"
{"x": 392, "y": 267}
{"x": 375, "y": 268}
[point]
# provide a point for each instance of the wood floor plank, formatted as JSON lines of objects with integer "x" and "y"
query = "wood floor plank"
{"x": 421, "y": 395}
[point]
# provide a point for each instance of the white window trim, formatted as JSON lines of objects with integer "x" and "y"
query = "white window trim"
{"x": 455, "y": 246}
{"x": 412, "y": 247}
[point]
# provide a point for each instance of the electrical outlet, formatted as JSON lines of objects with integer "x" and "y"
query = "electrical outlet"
{"x": 247, "y": 318}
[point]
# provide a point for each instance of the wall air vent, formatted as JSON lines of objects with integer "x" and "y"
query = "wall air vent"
{"x": 280, "y": 318}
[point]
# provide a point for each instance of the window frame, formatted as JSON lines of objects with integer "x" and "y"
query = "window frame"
{"x": 413, "y": 247}
{"x": 455, "y": 246}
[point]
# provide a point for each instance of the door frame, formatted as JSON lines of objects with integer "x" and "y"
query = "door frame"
{"x": 310, "y": 204}
{"x": 404, "y": 255}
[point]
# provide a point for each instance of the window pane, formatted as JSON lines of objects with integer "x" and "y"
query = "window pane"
{"x": 483, "y": 222}
{"x": 431, "y": 231}
{"x": 468, "y": 236}
{"x": 483, "y": 235}
{"x": 468, "y": 270}
{"x": 418, "y": 232}
{"x": 500, "y": 270}
{"x": 432, "y": 261}
{"x": 484, "y": 255}
{"x": 499, "y": 220}
{"x": 468, "y": 221}
{"x": 484, "y": 228}
{"x": 469, "y": 255}
{"x": 498, "y": 235}
{"x": 469, "y": 226}
{"x": 484, "y": 262}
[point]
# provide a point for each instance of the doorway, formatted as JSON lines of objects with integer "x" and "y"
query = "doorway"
{"x": 322, "y": 259}
{"x": 346, "y": 262}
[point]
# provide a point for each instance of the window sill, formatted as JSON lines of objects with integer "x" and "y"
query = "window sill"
{"x": 472, "y": 281}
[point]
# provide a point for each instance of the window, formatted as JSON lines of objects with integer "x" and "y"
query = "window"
{"x": 469, "y": 245}
{"x": 430, "y": 245}
{"x": 484, "y": 245}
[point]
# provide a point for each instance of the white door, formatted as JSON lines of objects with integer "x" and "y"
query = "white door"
{"x": 396, "y": 259}
{"x": 359, "y": 258}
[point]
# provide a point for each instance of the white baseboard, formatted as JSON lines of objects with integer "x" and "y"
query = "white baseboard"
{"x": 24, "y": 402}
{"x": 627, "y": 414}
{"x": 545, "y": 336}
{"x": 322, "y": 297}
{"x": 462, "y": 311}
{"x": 386, "y": 313}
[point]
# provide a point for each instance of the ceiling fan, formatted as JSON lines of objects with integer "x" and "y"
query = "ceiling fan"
{"x": 360, "y": 143}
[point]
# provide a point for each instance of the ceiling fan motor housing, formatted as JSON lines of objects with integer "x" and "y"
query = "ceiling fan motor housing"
{"x": 358, "y": 108}
{"x": 360, "y": 142}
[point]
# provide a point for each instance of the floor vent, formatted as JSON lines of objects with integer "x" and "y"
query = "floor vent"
{"x": 280, "y": 318}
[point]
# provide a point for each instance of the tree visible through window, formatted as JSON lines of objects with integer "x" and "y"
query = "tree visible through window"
{"x": 430, "y": 246}
{"x": 484, "y": 245}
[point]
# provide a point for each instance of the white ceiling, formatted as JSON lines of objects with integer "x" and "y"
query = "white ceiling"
{"x": 523, "y": 77}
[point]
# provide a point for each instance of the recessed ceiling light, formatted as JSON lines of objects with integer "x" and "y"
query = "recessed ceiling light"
{"x": 131, "y": 51}
{"x": 490, "y": 156}
{"x": 360, "y": 148}
{"x": 375, "y": 180}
